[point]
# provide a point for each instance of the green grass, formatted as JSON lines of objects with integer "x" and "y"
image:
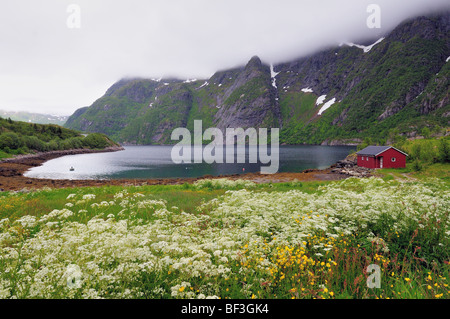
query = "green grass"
{"x": 297, "y": 107}
{"x": 437, "y": 170}
{"x": 4, "y": 155}
{"x": 41, "y": 202}
{"x": 430, "y": 170}
{"x": 186, "y": 197}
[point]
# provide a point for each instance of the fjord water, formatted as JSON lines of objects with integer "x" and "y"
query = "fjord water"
{"x": 156, "y": 162}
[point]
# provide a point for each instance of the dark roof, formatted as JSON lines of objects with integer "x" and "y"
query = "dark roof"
{"x": 376, "y": 150}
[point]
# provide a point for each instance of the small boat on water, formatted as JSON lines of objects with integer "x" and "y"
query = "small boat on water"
{"x": 72, "y": 169}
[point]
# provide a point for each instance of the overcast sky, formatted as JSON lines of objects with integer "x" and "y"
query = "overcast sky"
{"x": 45, "y": 66}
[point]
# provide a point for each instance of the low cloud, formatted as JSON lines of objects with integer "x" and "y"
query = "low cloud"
{"x": 48, "y": 67}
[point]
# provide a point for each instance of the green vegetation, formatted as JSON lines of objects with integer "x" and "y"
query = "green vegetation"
{"x": 228, "y": 239}
{"x": 143, "y": 111}
{"x": 22, "y": 138}
{"x": 426, "y": 151}
{"x": 372, "y": 109}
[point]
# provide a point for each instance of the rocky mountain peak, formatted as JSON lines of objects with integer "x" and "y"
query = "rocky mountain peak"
{"x": 255, "y": 62}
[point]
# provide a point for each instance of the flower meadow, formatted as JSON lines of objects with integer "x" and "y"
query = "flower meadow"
{"x": 229, "y": 240}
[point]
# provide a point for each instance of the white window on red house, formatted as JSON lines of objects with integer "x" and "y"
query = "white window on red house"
{"x": 393, "y": 159}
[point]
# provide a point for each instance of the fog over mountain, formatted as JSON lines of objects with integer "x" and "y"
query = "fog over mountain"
{"x": 46, "y": 66}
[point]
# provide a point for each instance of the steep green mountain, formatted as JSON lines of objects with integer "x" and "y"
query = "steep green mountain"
{"x": 22, "y": 138}
{"x": 34, "y": 117}
{"x": 142, "y": 111}
{"x": 397, "y": 86}
{"x": 400, "y": 84}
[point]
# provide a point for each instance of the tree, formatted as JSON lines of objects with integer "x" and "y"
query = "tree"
{"x": 417, "y": 165}
{"x": 444, "y": 151}
{"x": 415, "y": 151}
{"x": 10, "y": 140}
{"x": 426, "y": 132}
{"x": 436, "y": 130}
{"x": 34, "y": 143}
{"x": 53, "y": 145}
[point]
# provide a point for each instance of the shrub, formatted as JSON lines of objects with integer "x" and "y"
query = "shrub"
{"x": 72, "y": 143}
{"x": 10, "y": 140}
{"x": 95, "y": 140}
{"x": 53, "y": 145}
{"x": 444, "y": 151}
{"x": 417, "y": 165}
{"x": 223, "y": 183}
{"x": 34, "y": 143}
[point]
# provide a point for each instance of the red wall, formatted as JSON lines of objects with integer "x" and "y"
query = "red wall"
{"x": 400, "y": 159}
{"x": 387, "y": 162}
{"x": 366, "y": 163}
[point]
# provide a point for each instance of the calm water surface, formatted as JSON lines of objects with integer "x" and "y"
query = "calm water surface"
{"x": 156, "y": 162}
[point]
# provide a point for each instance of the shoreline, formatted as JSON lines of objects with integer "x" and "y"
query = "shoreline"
{"x": 12, "y": 170}
{"x": 55, "y": 154}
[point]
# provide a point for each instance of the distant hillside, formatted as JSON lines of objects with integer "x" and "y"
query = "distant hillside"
{"x": 398, "y": 86}
{"x": 23, "y": 138}
{"x": 34, "y": 117}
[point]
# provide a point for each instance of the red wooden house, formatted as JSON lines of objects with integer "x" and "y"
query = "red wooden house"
{"x": 381, "y": 157}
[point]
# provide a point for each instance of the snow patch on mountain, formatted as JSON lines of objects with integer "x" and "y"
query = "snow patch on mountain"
{"x": 321, "y": 99}
{"x": 363, "y": 47}
{"x": 273, "y": 75}
{"x": 203, "y": 85}
{"x": 326, "y": 106}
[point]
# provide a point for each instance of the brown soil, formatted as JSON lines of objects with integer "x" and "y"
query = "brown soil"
{"x": 12, "y": 179}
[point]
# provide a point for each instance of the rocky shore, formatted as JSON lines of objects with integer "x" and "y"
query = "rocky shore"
{"x": 12, "y": 170}
{"x": 350, "y": 168}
